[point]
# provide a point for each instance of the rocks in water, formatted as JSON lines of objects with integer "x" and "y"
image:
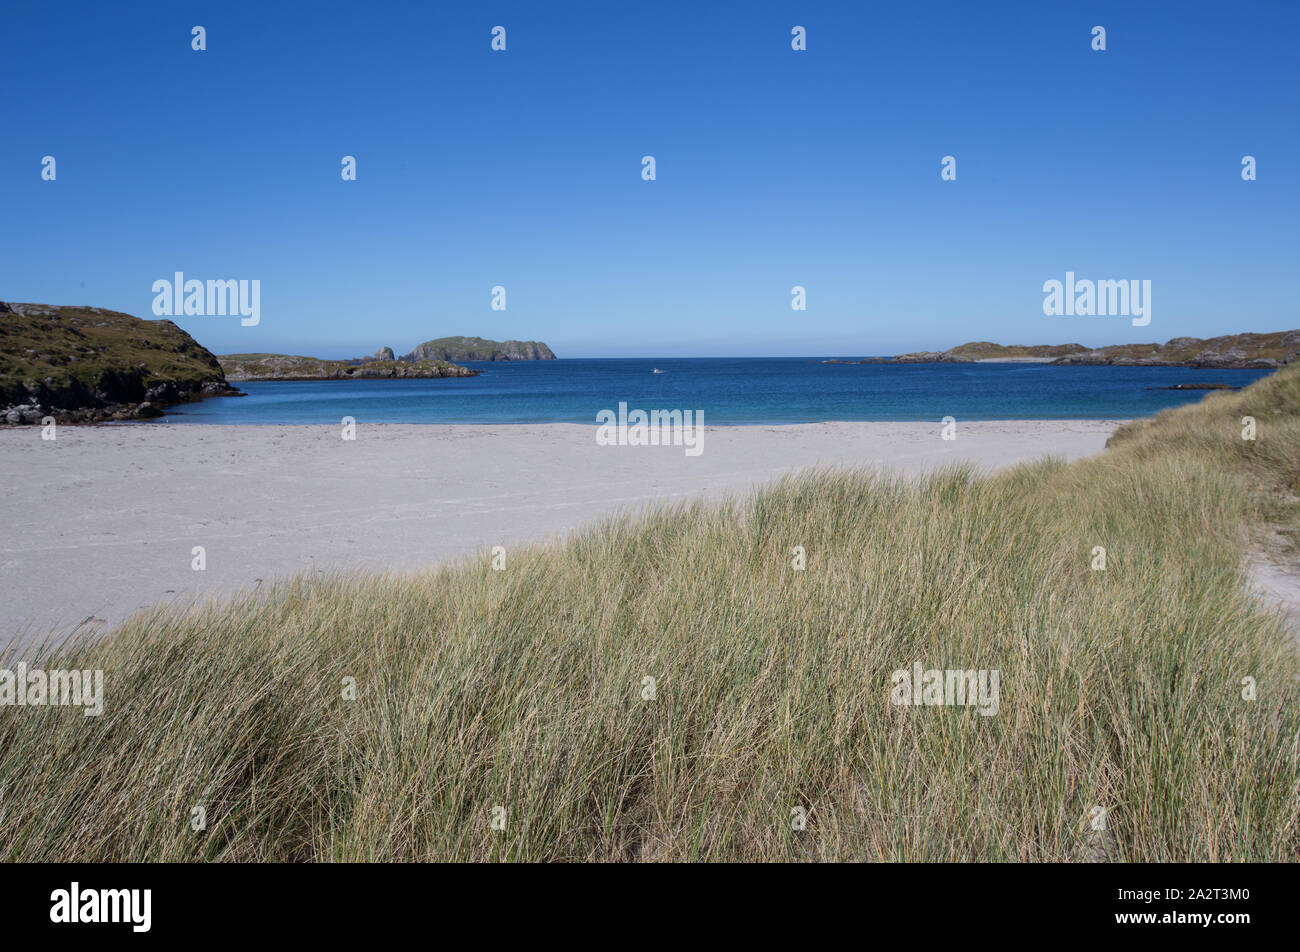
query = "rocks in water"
{"x": 1198, "y": 386}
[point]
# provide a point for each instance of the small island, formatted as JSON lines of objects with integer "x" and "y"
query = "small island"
{"x": 479, "y": 348}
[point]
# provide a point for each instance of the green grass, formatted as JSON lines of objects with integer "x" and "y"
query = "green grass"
{"x": 54, "y": 350}
{"x": 522, "y": 688}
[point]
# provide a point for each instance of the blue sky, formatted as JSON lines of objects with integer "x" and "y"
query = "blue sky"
{"x": 775, "y": 168}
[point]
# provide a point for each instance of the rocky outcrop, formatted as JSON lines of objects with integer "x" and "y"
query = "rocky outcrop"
{"x": 244, "y": 367}
{"x": 479, "y": 348}
{"x": 1234, "y": 351}
{"x": 87, "y": 364}
{"x": 986, "y": 350}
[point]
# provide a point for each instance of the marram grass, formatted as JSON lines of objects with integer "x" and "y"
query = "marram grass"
{"x": 523, "y": 689}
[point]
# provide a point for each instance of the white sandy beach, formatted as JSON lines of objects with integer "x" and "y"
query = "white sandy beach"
{"x": 102, "y": 521}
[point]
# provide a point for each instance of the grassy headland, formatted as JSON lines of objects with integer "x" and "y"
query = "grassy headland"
{"x": 524, "y": 688}
{"x": 86, "y": 363}
{"x": 242, "y": 367}
{"x": 1247, "y": 350}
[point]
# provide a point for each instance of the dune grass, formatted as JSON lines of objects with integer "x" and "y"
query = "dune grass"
{"x": 523, "y": 688}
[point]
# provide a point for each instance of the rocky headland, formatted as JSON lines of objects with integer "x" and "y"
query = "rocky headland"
{"x": 383, "y": 366}
{"x": 87, "y": 364}
{"x": 1247, "y": 351}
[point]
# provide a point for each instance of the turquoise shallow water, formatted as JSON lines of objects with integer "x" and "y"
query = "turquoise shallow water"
{"x": 733, "y": 390}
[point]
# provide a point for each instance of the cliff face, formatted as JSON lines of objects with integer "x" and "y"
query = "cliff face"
{"x": 241, "y": 367}
{"x": 478, "y": 348}
{"x": 84, "y": 364}
{"x": 1232, "y": 351}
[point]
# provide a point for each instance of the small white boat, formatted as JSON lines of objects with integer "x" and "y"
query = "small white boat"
{"x": 656, "y": 371}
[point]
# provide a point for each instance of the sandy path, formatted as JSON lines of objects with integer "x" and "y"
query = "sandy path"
{"x": 102, "y": 520}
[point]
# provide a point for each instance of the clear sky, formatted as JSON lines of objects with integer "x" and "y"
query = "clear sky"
{"x": 774, "y": 168}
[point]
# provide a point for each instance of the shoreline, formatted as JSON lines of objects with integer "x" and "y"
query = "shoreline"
{"x": 171, "y": 407}
{"x": 103, "y": 520}
{"x": 593, "y": 424}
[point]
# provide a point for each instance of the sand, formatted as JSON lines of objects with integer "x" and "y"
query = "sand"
{"x": 1275, "y": 580}
{"x": 102, "y": 520}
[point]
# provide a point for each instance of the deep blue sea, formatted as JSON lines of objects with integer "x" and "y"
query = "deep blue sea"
{"x": 729, "y": 390}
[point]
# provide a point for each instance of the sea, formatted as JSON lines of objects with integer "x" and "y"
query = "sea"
{"x": 730, "y": 391}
